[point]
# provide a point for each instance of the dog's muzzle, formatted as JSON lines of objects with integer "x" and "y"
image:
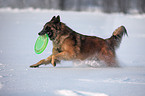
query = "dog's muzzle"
{"x": 50, "y": 34}
{"x": 41, "y": 33}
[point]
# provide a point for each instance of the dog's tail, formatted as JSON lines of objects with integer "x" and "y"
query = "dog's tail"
{"x": 115, "y": 40}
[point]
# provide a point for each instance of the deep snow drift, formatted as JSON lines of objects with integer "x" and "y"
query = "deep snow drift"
{"x": 18, "y": 33}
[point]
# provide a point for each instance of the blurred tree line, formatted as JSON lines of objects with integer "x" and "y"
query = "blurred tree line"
{"x": 109, "y": 6}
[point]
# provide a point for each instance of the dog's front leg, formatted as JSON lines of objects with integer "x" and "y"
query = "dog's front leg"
{"x": 61, "y": 56}
{"x": 43, "y": 61}
{"x": 47, "y": 60}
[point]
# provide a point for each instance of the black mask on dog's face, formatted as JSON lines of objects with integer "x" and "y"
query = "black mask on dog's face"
{"x": 46, "y": 30}
{"x": 50, "y": 27}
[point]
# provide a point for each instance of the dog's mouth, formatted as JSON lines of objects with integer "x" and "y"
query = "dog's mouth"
{"x": 50, "y": 34}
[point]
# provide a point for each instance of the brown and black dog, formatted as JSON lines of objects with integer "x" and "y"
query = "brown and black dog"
{"x": 70, "y": 45}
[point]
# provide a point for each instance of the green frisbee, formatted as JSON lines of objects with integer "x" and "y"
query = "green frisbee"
{"x": 41, "y": 44}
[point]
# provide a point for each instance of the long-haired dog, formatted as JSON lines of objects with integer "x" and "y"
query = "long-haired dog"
{"x": 70, "y": 45}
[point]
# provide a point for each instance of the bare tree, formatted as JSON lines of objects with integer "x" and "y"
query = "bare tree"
{"x": 107, "y": 4}
{"x": 123, "y": 5}
{"x": 62, "y": 4}
{"x": 141, "y": 6}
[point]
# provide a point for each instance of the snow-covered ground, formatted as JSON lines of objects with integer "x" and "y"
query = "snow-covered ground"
{"x": 18, "y": 33}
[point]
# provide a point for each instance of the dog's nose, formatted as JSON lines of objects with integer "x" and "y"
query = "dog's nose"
{"x": 39, "y": 33}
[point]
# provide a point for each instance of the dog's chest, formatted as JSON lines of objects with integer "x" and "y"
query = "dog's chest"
{"x": 57, "y": 46}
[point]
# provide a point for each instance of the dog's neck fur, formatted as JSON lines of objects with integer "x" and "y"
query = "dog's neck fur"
{"x": 66, "y": 31}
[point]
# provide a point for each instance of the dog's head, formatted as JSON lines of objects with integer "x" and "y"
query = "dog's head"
{"x": 51, "y": 28}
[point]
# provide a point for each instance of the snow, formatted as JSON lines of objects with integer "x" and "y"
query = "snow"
{"x": 78, "y": 93}
{"x": 18, "y": 33}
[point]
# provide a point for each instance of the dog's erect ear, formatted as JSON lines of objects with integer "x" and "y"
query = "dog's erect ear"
{"x": 57, "y": 19}
{"x": 53, "y": 18}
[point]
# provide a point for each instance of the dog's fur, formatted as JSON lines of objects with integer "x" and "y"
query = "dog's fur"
{"x": 70, "y": 45}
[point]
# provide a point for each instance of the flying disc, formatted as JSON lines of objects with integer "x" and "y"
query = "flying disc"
{"x": 41, "y": 44}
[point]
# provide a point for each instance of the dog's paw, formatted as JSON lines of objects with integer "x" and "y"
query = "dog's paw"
{"x": 53, "y": 63}
{"x": 34, "y": 66}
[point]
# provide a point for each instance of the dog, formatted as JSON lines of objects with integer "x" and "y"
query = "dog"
{"x": 70, "y": 45}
